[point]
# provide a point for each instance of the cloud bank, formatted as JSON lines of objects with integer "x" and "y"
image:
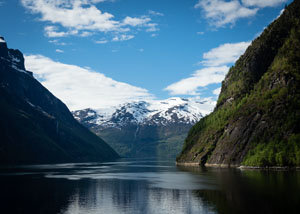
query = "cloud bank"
{"x": 200, "y": 78}
{"x": 220, "y": 13}
{"x": 263, "y": 3}
{"x": 216, "y": 65}
{"x": 81, "y": 88}
{"x": 224, "y": 54}
{"x": 83, "y": 18}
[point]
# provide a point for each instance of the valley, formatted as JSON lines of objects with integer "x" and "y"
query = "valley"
{"x": 153, "y": 129}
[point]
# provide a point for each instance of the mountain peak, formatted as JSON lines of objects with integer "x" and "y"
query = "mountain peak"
{"x": 155, "y": 112}
{"x": 2, "y": 40}
{"x": 11, "y": 57}
{"x": 3, "y": 48}
{"x": 146, "y": 128}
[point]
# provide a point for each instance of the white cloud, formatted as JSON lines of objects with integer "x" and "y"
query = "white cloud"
{"x": 224, "y": 54}
{"x": 201, "y": 78}
{"x": 81, "y": 17}
{"x": 152, "y": 27}
{"x": 52, "y": 31}
{"x": 220, "y": 12}
{"x": 122, "y": 37}
{"x": 57, "y": 42}
{"x": 280, "y": 13}
{"x": 200, "y": 33}
{"x": 216, "y": 65}
{"x": 155, "y": 13}
{"x": 59, "y": 51}
{"x": 143, "y": 21}
{"x": 72, "y": 14}
{"x": 136, "y": 21}
{"x": 86, "y": 34}
{"x": 81, "y": 87}
{"x": 217, "y": 91}
{"x": 263, "y": 3}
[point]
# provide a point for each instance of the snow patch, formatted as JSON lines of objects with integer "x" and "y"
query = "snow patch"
{"x": 15, "y": 59}
{"x": 18, "y": 69}
{"x": 160, "y": 112}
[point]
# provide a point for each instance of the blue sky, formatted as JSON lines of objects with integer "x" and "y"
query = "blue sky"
{"x": 99, "y": 53}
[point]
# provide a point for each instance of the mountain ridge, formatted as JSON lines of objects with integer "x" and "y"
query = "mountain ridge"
{"x": 147, "y": 112}
{"x": 146, "y": 128}
{"x": 36, "y": 127}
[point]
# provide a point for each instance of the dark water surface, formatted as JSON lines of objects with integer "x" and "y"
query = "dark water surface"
{"x": 145, "y": 187}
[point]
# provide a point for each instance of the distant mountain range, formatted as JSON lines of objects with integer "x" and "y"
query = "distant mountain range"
{"x": 35, "y": 126}
{"x": 146, "y": 129}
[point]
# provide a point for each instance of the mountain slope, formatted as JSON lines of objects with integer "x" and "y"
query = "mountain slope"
{"x": 256, "y": 121}
{"x": 36, "y": 127}
{"x": 146, "y": 129}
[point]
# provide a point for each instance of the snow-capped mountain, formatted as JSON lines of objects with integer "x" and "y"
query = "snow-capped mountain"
{"x": 12, "y": 58}
{"x": 162, "y": 112}
{"x": 146, "y": 129}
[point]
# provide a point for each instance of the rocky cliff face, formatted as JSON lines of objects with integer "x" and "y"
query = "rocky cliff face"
{"x": 256, "y": 121}
{"x": 36, "y": 127}
{"x": 146, "y": 129}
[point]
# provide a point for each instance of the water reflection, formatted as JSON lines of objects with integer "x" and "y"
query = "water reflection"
{"x": 145, "y": 187}
{"x": 252, "y": 191}
{"x": 133, "y": 197}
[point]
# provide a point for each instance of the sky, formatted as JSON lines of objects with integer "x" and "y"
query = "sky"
{"x": 102, "y": 53}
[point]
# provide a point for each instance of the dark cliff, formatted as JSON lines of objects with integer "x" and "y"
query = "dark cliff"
{"x": 35, "y": 126}
{"x": 256, "y": 120}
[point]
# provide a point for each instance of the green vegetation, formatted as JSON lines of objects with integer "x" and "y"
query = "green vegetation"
{"x": 275, "y": 153}
{"x": 256, "y": 121}
{"x": 161, "y": 142}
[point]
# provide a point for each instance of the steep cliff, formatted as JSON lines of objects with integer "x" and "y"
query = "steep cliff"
{"x": 35, "y": 126}
{"x": 256, "y": 120}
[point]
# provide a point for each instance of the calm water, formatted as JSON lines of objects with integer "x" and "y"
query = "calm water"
{"x": 145, "y": 187}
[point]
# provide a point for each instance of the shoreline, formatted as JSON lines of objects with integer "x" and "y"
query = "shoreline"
{"x": 241, "y": 167}
{"x": 187, "y": 164}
